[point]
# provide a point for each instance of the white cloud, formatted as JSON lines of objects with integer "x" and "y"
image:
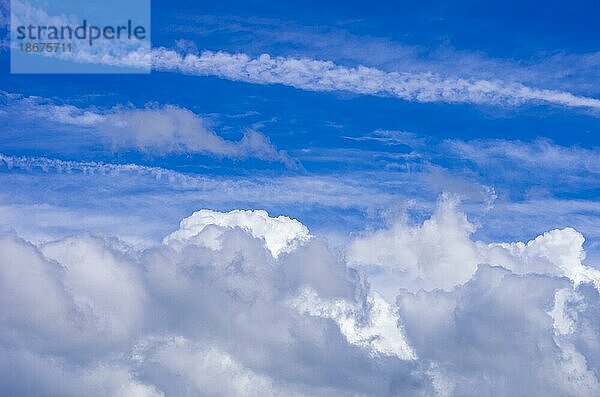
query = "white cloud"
{"x": 233, "y": 319}
{"x": 317, "y": 75}
{"x": 155, "y": 130}
{"x": 52, "y": 376}
{"x": 493, "y": 335}
{"x": 327, "y": 76}
{"x": 280, "y": 234}
{"x": 173, "y": 129}
{"x": 321, "y": 190}
{"x": 557, "y": 252}
{"x": 380, "y": 334}
{"x": 146, "y": 203}
{"x": 554, "y": 69}
{"x": 436, "y": 254}
{"x": 392, "y": 137}
{"x": 564, "y": 318}
{"x": 441, "y": 254}
{"x": 195, "y": 321}
{"x": 205, "y": 370}
{"x": 104, "y": 285}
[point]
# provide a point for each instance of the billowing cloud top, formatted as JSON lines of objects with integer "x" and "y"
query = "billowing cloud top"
{"x": 440, "y": 253}
{"x": 280, "y": 234}
{"x": 218, "y": 310}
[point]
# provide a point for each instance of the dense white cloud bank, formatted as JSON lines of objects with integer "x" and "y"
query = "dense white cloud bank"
{"x": 244, "y": 304}
{"x": 381, "y": 335}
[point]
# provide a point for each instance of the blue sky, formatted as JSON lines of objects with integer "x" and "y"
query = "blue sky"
{"x": 542, "y": 153}
{"x": 410, "y": 137}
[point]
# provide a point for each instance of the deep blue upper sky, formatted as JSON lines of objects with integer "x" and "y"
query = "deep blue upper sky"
{"x": 520, "y": 169}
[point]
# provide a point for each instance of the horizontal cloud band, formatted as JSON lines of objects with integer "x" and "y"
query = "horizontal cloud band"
{"x": 317, "y": 75}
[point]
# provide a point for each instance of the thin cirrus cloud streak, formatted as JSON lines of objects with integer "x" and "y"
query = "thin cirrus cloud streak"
{"x": 540, "y": 155}
{"x": 317, "y": 75}
{"x": 327, "y": 76}
{"x": 557, "y": 70}
{"x": 315, "y": 190}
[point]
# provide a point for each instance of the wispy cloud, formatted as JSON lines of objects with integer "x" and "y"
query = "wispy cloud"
{"x": 318, "y": 75}
{"x": 323, "y": 190}
{"x": 542, "y": 155}
{"x": 157, "y": 130}
{"x": 391, "y": 137}
{"x": 551, "y": 68}
{"x": 540, "y": 164}
{"x": 325, "y": 76}
{"x": 425, "y": 85}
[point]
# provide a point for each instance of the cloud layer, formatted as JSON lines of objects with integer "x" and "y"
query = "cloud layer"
{"x": 224, "y": 314}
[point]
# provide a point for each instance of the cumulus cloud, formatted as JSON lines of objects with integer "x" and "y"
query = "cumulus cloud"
{"x": 204, "y": 369}
{"x": 190, "y": 321}
{"x": 440, "y": 253}
{"x": 381, "y": 335}
{"x": 243, "y": 304}
{"x": 280, "y": 234}
{"x": 499, "y": 309}
{"x": 493, "y": 335}
{"x": 437, "y": 254}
